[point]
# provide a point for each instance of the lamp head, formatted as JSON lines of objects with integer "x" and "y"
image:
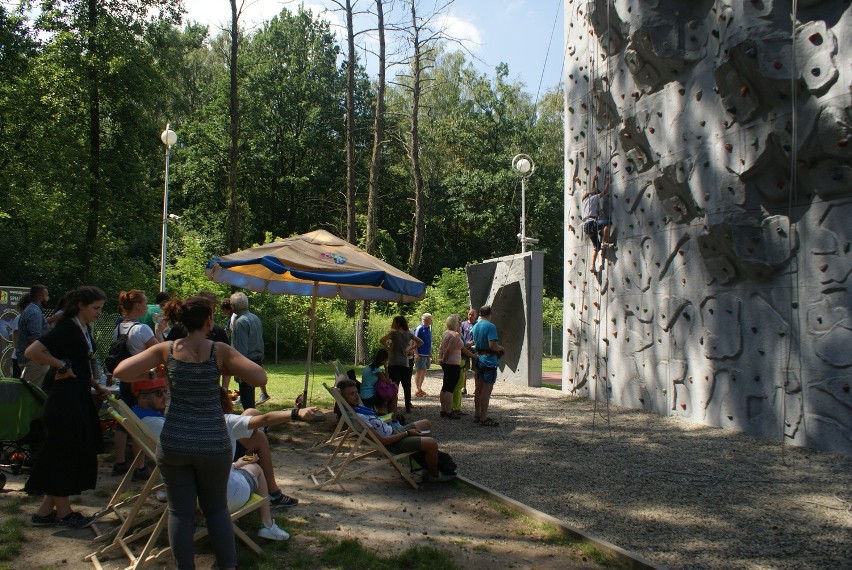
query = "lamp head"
{"x": 523, "y": 165}
{"x": 169, "y": 137}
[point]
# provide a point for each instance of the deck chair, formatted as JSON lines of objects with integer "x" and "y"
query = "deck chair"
{"x": 129, "y": 532}
{"x": 119, "y": 506}
{"x": 366, "y": 452}
{"x": 133, "y": 523}
{"x": 340, "y": 429}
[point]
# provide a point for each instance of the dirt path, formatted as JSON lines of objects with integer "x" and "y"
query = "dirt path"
{"x": 380, "y": 510}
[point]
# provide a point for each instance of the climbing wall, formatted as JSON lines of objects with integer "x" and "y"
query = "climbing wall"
{"x": 514, "y": 287}
{"x": 725, "y": 127}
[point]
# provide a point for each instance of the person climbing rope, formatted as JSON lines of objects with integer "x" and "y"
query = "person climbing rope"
{"x": 595, "y": 227}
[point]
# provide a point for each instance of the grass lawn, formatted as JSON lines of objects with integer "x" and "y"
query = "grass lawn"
{"x": 551, "y": 364}
{"x": 287, "y": 380}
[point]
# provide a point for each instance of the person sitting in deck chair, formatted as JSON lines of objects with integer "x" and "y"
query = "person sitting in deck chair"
{"x": 402, "y": 439}
{"x": 247, "y": 475}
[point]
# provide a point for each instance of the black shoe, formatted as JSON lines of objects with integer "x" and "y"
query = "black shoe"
{"x": 282, "y": 500}
{"x": 75, "y": 520}
{"x": 46, "y": 520}
{"x": 141, "y": 474}
{"x": 121, "y": 468}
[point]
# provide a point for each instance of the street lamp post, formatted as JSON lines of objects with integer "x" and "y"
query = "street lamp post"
{"x": 524, "y": 167}
{"x": 169, "y": 138}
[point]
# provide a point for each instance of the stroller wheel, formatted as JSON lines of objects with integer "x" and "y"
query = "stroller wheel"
{"x": 2, "y": 480}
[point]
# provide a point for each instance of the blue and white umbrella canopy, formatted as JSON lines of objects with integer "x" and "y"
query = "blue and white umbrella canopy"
{"x": 316, "y": 263}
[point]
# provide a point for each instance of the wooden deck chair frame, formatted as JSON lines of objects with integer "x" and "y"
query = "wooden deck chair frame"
{"x": 129, "y": 531}
{"x": 123, "y": 538}
{"x": 366, "y": 445}
{"x": 340, "y": 430}
{"x": 118, "y": 506}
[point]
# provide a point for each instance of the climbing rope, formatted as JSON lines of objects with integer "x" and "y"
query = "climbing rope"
{"x": 593, "y": 152}
{"x": 795, "y": 325}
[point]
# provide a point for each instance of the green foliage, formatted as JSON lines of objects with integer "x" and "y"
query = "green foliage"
{"x": 446, "y": 295}
{"x": 185, "y": 275}
{"x": 552, "y": 311}
{"x": 84, "y": 206}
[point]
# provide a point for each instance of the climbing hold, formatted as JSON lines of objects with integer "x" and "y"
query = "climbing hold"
{"x": 729, "y": 147}
{"x": 776, "y": 63}
{"x": 683, "y": 405}
{"x": 823, "y": 267}
{"x": 651, "y": 130}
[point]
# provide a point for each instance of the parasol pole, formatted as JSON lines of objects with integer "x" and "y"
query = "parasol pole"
{"x": 310, "y": 341}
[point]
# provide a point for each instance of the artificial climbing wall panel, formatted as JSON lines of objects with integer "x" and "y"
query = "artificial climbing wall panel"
{"x": 513, "y": 286}
{"x": 726, "y": 130}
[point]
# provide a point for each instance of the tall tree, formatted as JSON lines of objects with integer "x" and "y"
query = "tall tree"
{"x": 351, "y": 229}
{"x": 423, "y": 37}
{"x": 293, "y": 99}
{"x": 375, "y": 169}
{"x": 89, "y": 94}
{"x": 234, "y": 131}
{"x": 417, "y": 68}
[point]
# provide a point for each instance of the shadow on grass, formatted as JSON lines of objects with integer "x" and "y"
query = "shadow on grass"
{"x": 347, "y": 555}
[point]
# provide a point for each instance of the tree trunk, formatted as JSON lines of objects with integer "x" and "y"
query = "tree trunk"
{"x": 351, "y": 229}
{"x": 94, "y": 145}
{"x": 419, "y": 197}
{"x": 373, "y": 185}
{"x": 234, "y": 110}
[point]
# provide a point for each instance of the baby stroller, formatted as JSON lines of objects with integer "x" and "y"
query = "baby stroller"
{"x": 21, "y": 427}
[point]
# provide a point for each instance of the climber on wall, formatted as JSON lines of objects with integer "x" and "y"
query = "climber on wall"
{"x": 596, "y": 226}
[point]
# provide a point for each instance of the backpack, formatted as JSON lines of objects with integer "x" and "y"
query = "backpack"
{"x": 446, "y": 465}
{"x": 118, "y": 350}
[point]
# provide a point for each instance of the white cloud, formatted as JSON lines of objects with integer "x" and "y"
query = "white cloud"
{"x": 465, "y": 31}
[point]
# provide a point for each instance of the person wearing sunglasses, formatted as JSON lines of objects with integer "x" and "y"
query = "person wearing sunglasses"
{"x": 152, "y": 396}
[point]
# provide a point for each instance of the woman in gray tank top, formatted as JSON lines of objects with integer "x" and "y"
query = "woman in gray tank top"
{"x": 397, "y": 342}
{"x": 194, "y": 451}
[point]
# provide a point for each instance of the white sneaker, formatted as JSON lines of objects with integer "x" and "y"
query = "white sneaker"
{"x": 272, "y": 532}
{"x": 162, "y": 497}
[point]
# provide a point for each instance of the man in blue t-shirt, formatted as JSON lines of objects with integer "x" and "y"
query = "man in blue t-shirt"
{"x": 485, "y": 341}
{"x": 423, "y": 358}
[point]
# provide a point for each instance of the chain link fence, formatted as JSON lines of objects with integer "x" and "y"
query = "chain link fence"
{"x": 336, "y": 340}
{"x": 552, "y": 341}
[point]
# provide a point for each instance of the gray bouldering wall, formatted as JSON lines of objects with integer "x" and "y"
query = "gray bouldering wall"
{"x": 726, "y": 127}
{"x": 513, "y": 286}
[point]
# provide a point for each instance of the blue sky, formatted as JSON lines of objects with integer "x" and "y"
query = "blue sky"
{"x": 516, "y": 32}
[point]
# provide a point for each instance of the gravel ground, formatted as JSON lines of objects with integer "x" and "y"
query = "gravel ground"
{"x": 680, "y": 494}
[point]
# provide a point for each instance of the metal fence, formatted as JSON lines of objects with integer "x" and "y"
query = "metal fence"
{"x": 103, "y": 330}
{"x": 552, "y": 341}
